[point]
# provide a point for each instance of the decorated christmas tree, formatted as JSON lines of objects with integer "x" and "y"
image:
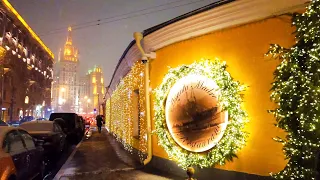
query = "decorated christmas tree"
{"x": 296, "y": 90}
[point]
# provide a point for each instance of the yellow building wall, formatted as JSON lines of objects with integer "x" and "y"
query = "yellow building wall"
{"x": 243, "y": 49}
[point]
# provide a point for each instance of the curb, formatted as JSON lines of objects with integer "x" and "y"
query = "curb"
{"x": 61, "y": 171}
{"x": 98, "y": 172}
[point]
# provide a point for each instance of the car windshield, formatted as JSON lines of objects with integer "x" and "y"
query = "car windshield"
{"x": 37, "y": 126}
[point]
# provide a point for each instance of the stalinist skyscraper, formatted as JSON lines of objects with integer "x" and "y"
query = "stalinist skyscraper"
{"x": 65, "y": 92}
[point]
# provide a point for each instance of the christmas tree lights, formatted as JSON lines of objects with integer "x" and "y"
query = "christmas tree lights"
{"x": 296, "y": 90}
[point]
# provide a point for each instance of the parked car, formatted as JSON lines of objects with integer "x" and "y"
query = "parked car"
{"x": 72, "y": 126}
{"x": 20, "y": 158}
{"x": 52, "y": 135}
{"x": 14, "y": 123}
{"x": 83, "y": 124}
{"x": 2, "y": 123}
{"x": 41, "y": 119}
{"x": 26, "y": 119}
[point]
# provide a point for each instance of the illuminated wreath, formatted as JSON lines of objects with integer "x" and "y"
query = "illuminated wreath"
{"x": 230, "y": 100}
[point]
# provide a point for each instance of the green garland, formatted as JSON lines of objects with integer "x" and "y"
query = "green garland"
{"x": 296, "y": 90}
{"x": 230, "y": 99}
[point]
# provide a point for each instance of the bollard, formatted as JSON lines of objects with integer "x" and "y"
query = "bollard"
{"x": 190, "y": 173}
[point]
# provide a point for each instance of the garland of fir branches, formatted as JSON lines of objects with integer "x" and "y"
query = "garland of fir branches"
{"x": 230, "y": 99}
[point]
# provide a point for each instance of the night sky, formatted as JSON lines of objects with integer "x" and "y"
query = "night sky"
{"x": 98, "y": 44}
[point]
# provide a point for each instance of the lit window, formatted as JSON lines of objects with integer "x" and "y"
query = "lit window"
{"x": 101, "y": 80}
{"x": 93, "y": 79}
{"x": 95, "y": 90}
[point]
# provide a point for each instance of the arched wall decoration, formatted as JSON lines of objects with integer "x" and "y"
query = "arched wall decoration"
{"x": 198, "y": 116}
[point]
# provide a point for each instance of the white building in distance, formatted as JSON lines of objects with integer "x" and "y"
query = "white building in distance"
{"x": 66, "y": 85}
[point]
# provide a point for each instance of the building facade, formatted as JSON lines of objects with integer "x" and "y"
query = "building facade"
{"x": 84, "y": 86}
{"x": 26, "y": 68}
{"x": 215, "y": 51}
{"x": 66, "y": 84}
{"x": 96, "y": 90}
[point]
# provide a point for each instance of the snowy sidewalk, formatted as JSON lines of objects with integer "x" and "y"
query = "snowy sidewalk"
{"x": 96, "y": 159}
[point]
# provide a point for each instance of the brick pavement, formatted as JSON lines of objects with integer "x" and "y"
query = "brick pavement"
{"x": 99, "y": 158}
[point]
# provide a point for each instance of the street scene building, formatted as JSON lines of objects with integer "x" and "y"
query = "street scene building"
{"x": 228, "y": 90}
{"x": 26, "y": 67}
{"x": 72, "y": 92}
{"x": 84, "y": 100}
{"x": 96, "y": 89}
{"x": 66, "y": 83}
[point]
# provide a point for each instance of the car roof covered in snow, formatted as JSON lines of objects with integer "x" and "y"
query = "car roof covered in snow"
{"x": 38, "y": 126}
{"x": 4, "y": 130}
{"x": 38, "y": 122}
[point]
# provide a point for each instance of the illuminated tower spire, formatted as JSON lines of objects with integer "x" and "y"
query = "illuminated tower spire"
{"x": 70, "y": 52}
{"x": 69, "y": 38}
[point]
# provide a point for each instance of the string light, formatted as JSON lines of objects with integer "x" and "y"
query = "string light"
{"x": 296, "y": 90}
{"x": 122, "y": 109}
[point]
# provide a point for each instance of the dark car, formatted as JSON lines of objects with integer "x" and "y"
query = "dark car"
{"x": 2, "y": 123}
{"x": 54, "y": 139}
{"x": 72, "y": 125}
{"x": 14, "y": 123}
{"x": 83, "y": 123}
{"x": 41, "y": 119}
{"x": 26, "y": 119}
{"x": 20, "y": 158}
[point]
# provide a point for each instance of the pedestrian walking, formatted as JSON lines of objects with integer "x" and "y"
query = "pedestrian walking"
{"x": 99, "y": 120}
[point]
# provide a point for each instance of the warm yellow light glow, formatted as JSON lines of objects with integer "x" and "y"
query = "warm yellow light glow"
{"x": 67, "y": 51}
{"x": 102, "y": 80}
{"x": 62, "y": 89}
{"x": 95, "y": 89}
{"x": 33, "y": 34}
{"x": 102, "y": 90}
{"x": 89, "y": 100}
{"x": 93, "y": 79}
{"x": 2, "y": 52}
{"x": 26, "y": 100}
{"x": 86, "y": 97}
